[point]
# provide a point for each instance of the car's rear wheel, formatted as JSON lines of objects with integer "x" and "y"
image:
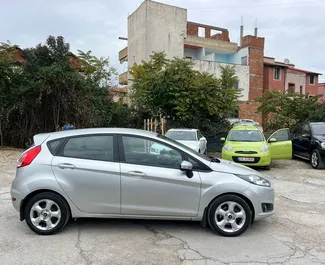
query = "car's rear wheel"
{"x": 229, "y": 215}
{"x": 46, "y": 213}
{"x": 316, "y": 161}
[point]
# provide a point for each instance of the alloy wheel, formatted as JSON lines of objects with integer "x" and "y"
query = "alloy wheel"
{"x": 45, "y": 214}
{"x": 230, "y": 216}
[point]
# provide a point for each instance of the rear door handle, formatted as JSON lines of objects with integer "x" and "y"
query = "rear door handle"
{"x": 136, "y": 174}
{"x": 66, "y": 165}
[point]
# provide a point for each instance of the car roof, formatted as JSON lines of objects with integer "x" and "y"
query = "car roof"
{"x": 180, "y": 129}
{"x": 76, "y": 132}
{"x": 312, "y": 123}
{"x": 245, "y": 127}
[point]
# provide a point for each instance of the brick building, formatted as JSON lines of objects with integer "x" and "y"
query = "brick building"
{"x": 284, "y": 77}
{"x": 156, "y": 27}
{"x": 321, "y": 91}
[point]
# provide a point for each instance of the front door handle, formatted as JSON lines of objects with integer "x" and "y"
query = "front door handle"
{"x": 66, "y": 165}
{"x": 136, "y": 174}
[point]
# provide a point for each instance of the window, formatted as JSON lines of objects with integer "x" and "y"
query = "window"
{"x": 291, "y": 88}
{"x": 277, "y": 73}
{"x": 237, "y": 85}
{"x": 199, "y": 135}
{"x": 96, "y": 147}
{"x": 55, "y": 145}
{"x": 305, "y": 129}
{"x": 281, "y": 136}
{"x": 319, "y": 128}
{"x": 244, "y": 60}
{"x": 201, "y": 32}
{"x": 181, "y": 135}
{"x": 311, "y": 79}
{"x": 246, "y": 136}
{"x": 150, "y": 153}
{"x": 301, "y": 90}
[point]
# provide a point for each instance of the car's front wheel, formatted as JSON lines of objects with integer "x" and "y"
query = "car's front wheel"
{"x": 316, "y": 160}
{"x": 229, "y": 215}
{"x": 46, "y": 213}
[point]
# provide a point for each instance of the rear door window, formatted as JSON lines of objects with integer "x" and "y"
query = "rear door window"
{"x": 54, "y": 145}
{"x": 94, "y": 147}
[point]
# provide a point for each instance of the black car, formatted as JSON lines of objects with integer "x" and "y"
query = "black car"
{"x": 308, "y": 142}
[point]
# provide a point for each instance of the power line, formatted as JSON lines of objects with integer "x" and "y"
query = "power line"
{"x": 252, "y": 6}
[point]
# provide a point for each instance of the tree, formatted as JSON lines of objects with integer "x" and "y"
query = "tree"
{"x": 49, "y": 89}
{"x": 97, "y": 69}
{"x": 172, "y": 88}
{"x": 286, "y": 110}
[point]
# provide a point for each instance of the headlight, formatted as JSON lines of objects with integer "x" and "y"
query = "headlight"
{"x": 322, "y": 145}
{"x": 257, "y": 180}
{"x": 227, "y": 147}
{"x": 264, "y": 148}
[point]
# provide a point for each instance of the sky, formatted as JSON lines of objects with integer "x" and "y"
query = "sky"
{"x": 293, "y": 29}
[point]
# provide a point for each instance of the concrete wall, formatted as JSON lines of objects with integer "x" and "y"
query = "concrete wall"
{"x": 156, "y": 27}
{"x": 242, "y": 72}
{"x": 166, "y": 29}
{"x": 299, "y": 79}
{"x": 195, "y": 54}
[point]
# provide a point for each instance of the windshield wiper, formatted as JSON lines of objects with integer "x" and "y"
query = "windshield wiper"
{"x": 214, "y": 159}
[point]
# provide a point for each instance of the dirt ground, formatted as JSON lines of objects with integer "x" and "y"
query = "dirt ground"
{"x": 294, "y": 235}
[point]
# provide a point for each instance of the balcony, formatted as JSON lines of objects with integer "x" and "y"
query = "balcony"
{"x": 194, "y": 41}
{"x": 123, "y": 78}
{"x": 123, "y": 55}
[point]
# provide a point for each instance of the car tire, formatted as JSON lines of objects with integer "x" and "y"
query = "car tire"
{"x": 47, "y": 213}
{"x": 229, "y": 215}
{"x": 316, "y": 161}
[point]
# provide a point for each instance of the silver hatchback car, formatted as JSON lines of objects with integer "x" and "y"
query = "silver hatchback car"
{"x": 116, "y": 173}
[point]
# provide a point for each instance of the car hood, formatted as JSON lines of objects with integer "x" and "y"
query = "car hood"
{"x": 232, "y": 168}
{"x": 246, "y": 146}
{"x": 190, "y": 144}
{"x": 320, "y": 137}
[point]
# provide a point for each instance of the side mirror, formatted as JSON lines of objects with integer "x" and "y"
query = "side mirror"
{"x": 202, "y": 139}
{"x": 223, "y": 139}
{"x": 272, "y": 140}
{"x": 187, "y": 167}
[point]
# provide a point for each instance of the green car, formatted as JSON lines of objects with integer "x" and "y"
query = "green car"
{"x": 247, "y": 145}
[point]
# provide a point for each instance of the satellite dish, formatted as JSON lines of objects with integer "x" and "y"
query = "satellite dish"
{"x": 286, "y": 61}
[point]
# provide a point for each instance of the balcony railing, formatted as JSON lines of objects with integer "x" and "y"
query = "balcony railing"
{"x": 123, "y": 78}
{"x": 123, "y": 54}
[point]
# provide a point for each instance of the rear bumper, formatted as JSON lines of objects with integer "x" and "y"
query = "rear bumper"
{"x": 260, "y": 159}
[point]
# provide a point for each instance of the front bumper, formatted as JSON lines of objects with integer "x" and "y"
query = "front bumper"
{"x": 262, "y": 199}
{"x": 260, "y": 159}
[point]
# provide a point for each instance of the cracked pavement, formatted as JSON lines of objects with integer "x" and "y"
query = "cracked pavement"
{"x": 293, "y": 236}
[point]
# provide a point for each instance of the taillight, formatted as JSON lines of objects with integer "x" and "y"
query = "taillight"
{"x": 28, "y": 157}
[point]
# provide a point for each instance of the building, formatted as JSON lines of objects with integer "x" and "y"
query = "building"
{"x": 119, "y": 94}
{"x": 284, "y": 77}
{"x": 321, "y": 91}
{"x": 156, "y": 27}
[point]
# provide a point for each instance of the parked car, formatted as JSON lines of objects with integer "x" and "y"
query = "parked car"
{"x": 308, "y": 140}
{"x": 111, "y": 173}
{"x": 247, "y": 145}
{"x": 192, "y": 138}
{"x": 247, "y": 122}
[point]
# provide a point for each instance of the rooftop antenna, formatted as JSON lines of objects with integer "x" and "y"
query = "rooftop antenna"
{"x": 241, "y": 31}
{"x": 255, "y": 30}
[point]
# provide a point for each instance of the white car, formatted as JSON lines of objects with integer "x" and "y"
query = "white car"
{"x": 192, "y": 138}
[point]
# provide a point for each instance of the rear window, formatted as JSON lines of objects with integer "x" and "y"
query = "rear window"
{"x": 54, "y": 145}
{"x": 94, "y": 147}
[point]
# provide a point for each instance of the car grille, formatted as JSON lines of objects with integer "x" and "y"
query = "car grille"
{"x": 246, "y": 152}
{"x": 256, "y": 160}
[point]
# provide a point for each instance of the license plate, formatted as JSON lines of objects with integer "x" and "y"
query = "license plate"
{"x": 246, "y": 159}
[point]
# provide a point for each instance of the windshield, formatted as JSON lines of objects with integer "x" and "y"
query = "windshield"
{"x": 189, "y": 150}
{"x": 181, "y": 135}
{"x": 244, "y": 123}
{"x": 318, "y": 128}
{"x": 245, "y": 136}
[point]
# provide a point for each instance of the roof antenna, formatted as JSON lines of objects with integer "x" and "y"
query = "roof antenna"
{"x": 241, "y": 31}
{"x": 255, "y": 30}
